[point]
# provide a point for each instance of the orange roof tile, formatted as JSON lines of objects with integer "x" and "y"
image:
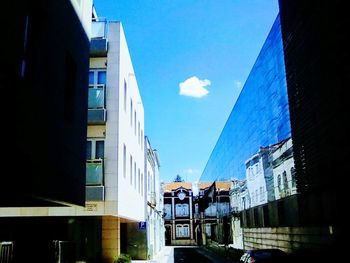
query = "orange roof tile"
{"x": 222, "y": 185}
{"x": 168, "y": 187}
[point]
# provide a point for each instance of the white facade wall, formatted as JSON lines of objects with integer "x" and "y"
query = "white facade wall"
{"x": 154, "y": 196}
{"x": 128, "y": 193}
{"x": 256, "y": 183}
{"x": 286, "y": 164}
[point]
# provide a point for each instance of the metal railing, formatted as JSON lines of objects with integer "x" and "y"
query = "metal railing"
{"x": 6, "y": 249}
{"x": 94, "y": 172}
{"x": 97, "y": 96}
{"x": 99, "y": 29}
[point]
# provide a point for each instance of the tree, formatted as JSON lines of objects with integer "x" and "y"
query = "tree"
{"x": 178, "y": 178}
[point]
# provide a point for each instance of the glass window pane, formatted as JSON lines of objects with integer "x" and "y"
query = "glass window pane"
{"x": 91, "y": 77}
{"x": 101, "y": 77}
{"x": 100, "y": 149}
{"x": 88, "y": 150}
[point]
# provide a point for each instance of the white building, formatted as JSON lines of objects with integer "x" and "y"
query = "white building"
{"x": 154, "y": 213}
{"x": 283, "y": 170}
{"x": 115, "y": 131}
{"x": 260, "y": 177}
{"x": 239, "y": 200}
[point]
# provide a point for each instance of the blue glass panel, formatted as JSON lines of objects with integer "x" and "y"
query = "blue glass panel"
{"x": 101, "y": 77}
{"x": 260, "y": 117}
{"x": 91, "y": 77}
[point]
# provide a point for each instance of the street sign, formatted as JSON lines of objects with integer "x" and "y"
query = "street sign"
{"x": 142, "y": 225}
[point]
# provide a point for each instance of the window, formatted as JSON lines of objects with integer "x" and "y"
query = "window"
{"x": 100, "y": 150}
{"x": 135, "y": 175}
{"x": 167, "y": 209}
{"x": 141, "y": 139}
{"x": 88, "y": 150}
{"x": 292, "y": 171}
{"x": 182, "y": 231}
{"x": 95, "y": 149}
{"x": 139, "y": 181}
{"x": 125, "y": 94}
{"x": 138, "y": 132}
{"x": 261, "y": 193}
{"x": 256, "y": 195}
{"x": 124, "y": 161}
{"x": 135, "y": 123}
{"x": 142, "y": 186}
{"x": 97, "y": 82}
{"x": 91, "y": 78}
{"x": 130, "y": 169}
{"x": 285, "y": 180}
{"x": 208, "y": 230}
{"x": 149, "y": 182}
{"x": 97, "y": 77}
{"x": 279, "y": 182}
{"x": 182, "y": 210}
{"x": 131, "y": 112}
{"x": 101, "y": 77}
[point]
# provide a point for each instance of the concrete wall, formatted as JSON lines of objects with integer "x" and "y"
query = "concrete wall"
{"x": 110, "y": 238}
{"x": 289, "y": 239}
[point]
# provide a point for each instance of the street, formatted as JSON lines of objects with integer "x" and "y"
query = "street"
{"x": 197, "y": 254}
{"x": 184, "y": 255}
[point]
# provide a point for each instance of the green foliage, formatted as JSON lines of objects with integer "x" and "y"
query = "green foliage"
{"x": 123, "y": 258}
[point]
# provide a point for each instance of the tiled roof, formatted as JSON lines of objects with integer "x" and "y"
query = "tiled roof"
{"x": 222, "y": 185}
{"x": 175, "y": 185}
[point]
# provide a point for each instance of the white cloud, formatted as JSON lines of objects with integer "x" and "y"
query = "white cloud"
{"x": 194, "y": 87}
{"x": 192, "y": 171}
{"x": 238, "y": 84}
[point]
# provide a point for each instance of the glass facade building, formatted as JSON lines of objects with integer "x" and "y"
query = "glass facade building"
{"x": 260, "y": 118}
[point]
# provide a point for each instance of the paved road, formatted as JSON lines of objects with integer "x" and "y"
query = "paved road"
{"x": 189, "y": 255}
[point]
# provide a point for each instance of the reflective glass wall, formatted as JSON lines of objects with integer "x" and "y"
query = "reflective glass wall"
{"x": 255, "y": 144}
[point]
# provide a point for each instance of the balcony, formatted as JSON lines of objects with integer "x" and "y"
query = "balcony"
{"x": 97, "y": 113}
{"x": 97, "y": 116}
{"x": 98, "y": 44}
{"x": 95, "y": 193}
{"x": 97, "y": 96}
{"x": 94, "y": 180}
{"x": 94, "y": 172}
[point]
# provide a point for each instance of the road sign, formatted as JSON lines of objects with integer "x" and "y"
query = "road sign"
{"x": 142, "y": 225}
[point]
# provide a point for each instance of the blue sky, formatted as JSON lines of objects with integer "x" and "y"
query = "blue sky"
{"x": 191, "y": 59}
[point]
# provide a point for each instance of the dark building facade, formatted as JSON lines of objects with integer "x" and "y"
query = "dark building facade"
{"x": 179, "y": 210}
{"x": 316, "y": 47}
{"x": 212, "y": 210}
{"x": 44, "y": 72}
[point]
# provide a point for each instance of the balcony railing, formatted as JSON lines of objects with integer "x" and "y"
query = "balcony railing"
{"x": 97, "y": 116}
{"x": 95, "y": 193}
{"x": 99, "y": 29}
{"x": 98, "y": 45}
{"x": 94, "y": 172}
{"x": 97, "y": 96}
